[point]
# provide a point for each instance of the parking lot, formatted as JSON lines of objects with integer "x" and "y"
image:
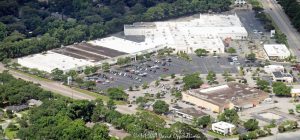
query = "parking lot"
{"x": 138, "y": 73}
{"x": 254, "y": 27}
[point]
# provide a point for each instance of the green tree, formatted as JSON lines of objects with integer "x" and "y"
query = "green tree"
{"x": 123, "y": 61}
{"x": 251, "y": 56}
{"x": 251, "y": 125}
{"x": 231, "y": 50}
{"x": 183, "y": 129}
{"x": 211, "y": 77}
{"x": 178, "y": 95}
{"x": 298, "y": 108}
{"x": 145, "y": 85}
{"x": 263, "y": 85}
{"x": 1, "y": 133}
{"x": 201, "y": 52}
{"x": 87, "y": 71}
{"x": 158, "y": 95}
{"x": 72, "y": 73}
{"x": 117, "y": 94}
{"x": 203, "y": 121}
{"x": 160, "y": 107}
{"x": 192, "y": 81}
{"x": 89, "y": 85}
{"x": 3, "y": 31}
{"x": 99, "y": 132}
{"x": 105, "y": 67}
{"x": 157, "y": 82}
{"x": 173, "y": 75}
{"x": 111, "y": 104}
{"x": 291, "y": 111}
{"x": 230, "y": 116}
{"x": 281, "y": 89}
{"x": 58, "y": 75}
{"x": 80, "y": 109}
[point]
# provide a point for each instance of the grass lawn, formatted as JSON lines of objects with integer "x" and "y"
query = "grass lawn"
{"x": 103, "y": 97}
{"x": 221, "y": 136}
{"x": 10, "y": 134}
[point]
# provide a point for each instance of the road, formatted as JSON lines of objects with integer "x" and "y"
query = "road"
{"x": 283, "y": 22}
{"x": 51, "y": 86}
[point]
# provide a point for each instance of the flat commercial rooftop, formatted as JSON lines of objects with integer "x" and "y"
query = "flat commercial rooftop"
{"x": 191, "y": 34}
{"x": 51, "y": 60}
{"x": 277, "y": 50}
{"x": 237, "y": 93}
{"x": 121, "y": 45}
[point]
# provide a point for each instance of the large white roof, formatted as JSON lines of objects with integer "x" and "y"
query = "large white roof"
{"x": 121, "y": 45}
{"x": 279, "y": 50}
{"x": 205, "y": 32}
{"x": 213, "y": 20}
{"x": 51, "y": 60}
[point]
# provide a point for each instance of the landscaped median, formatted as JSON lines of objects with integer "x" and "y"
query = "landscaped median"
{"x": 99, "y": 96}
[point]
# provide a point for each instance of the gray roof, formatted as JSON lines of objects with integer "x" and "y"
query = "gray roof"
{"x": 192, "y": 112}
{"x": 279, "y": 74}
{"x": 16, "y": 108}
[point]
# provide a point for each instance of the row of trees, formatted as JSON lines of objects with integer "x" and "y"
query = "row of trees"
{"x": 291, "y": 8}
{"x": 23, "y": 23}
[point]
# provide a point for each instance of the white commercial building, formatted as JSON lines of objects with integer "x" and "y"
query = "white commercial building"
{"x": 205, "y": 32}
{"x": 51, "y": 60}
{"x": 223, "y": 128}
{"x": 276, "y": 51}
{"x": 273, "y": 68}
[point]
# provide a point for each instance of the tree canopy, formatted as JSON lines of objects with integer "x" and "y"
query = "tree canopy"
{"x": 263, "y": 85}
{"x": 160, "y": 107}
{"x": 281, "y": 89}
{"x": 251, "y": 124}
{"x": 16, "y": 92}
{"x": 43, "y": 25}
{"x": 117, "y": 94}
{"x": 201, "y": 52}
{"x": 63, "y": 118}
{"x": 192, "y": 81}
{"x": 291, "y": 8}
{"x": 229, "y": 115}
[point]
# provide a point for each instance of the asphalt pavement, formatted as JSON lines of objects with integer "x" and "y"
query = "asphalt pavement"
{"x": 280, "y": 18}
{"x": 120, "y": 78}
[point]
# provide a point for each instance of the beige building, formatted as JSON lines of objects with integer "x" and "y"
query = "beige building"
{"x": 229, "y": 96}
